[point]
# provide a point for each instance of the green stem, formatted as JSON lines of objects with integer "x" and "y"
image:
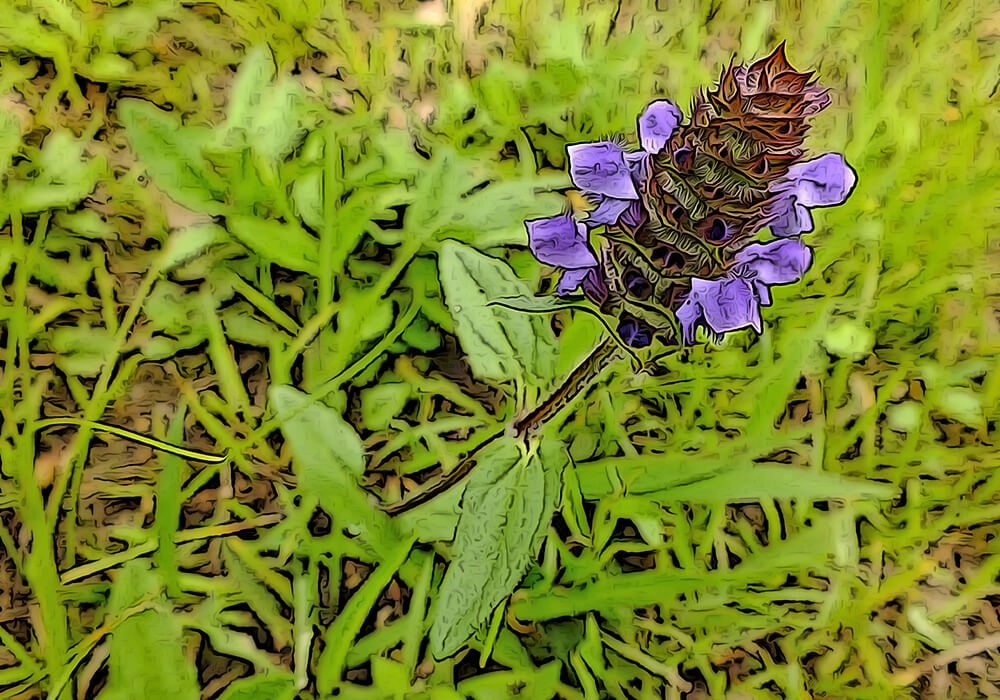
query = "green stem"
{"x": 523, "y": 427}
{"x": 194, "y": 455}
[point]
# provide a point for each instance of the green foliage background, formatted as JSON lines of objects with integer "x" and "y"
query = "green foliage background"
{"x": 222, "y": 224}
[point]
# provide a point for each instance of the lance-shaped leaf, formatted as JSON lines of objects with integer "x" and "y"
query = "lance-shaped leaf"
{"x": 507, "y": 505}
{"x": 146, "y": 649}
{"x": 286, "y": 244}
{"x": 328, "y": 461}
{"x": 173, "y": 156}
{"x": 500, "y": 344}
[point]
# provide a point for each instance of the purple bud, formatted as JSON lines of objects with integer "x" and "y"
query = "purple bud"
{"x": 683, "y": 157}
{"x": 657, "y": 124}
{"x": 637, "y": 284}
{"x": 634, "y": 332}
{"x": 718, "y": 231}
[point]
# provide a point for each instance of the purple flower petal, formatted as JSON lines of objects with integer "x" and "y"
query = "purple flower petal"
{"x": 657, "y": 124}
{"x": 608, "y": 211}
{"x": 571, "y": 280}
{"x": 638, "y": 165}
{"x": 601, "y": 168}
{"x": 777, "y": 262}
{"x": 560, "y": 241}
{"x": 723, "y": 305}
{"x": 594, "y": 286}
{"x": 789, "y": 218}
{"x": 763, "y": 293}
{"x": 821, "y": 182}
{"x": 634, "y": 216}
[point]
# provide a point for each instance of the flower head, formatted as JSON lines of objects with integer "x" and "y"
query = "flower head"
{"x": 679, "y": 212}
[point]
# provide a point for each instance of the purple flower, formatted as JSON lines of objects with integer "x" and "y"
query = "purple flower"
{"x": 822, "y": 182}
{"x": 562, "y": 242}
{"x": 609, "y": 210}
{"x": 723, "y": 305}
{"x": 657, "y": 124}
{"x": 734, "y": 302}
{"x": 777, "y": 262}
{"x": 590, "y": 278}
{"x": 600, "y": 168}
{"x": 637, "y": 284}
{"x": 608, "y": 175}
{"x": 789, "y": 218}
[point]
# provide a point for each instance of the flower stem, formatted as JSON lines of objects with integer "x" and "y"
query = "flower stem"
{"x": 522, "y": 427}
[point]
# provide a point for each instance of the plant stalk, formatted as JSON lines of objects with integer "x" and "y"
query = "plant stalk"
{"x": 522, "y": 427}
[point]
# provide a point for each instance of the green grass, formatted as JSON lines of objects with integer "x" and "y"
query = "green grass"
{"x": 196, "y": 246}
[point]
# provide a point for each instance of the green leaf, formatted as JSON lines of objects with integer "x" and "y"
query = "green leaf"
{"x": 172, "y": 155}
{"x": 507, "y": 504}
{"x": 269, "y": 118}
{"x": 82, "y": 350}
{"x": 243, "y": 326}
{"x": 383, "y": 402}
{"x": 253, "y": 78}
{"x": 10, "y": 138}
{"x": 848, "y": 338}
{"x": 328, "y": 460}
{"x": 718, "y": 480}
{"x": 341, "y": 634}
{"x": 272, "y": 687}
{"x": 86, "y": 223}
{"x": 809, "y": 549}
{"x": 436, "y": 520}
{"x": 146, "y": 651}
{"x": 904, "y": 417}
{"x": 189, "y": 243}
{"x": 67, "y": 172}
{"x": 286, "y": 244}
{"x": 421, "y": 335}
{"x": 501, "y": 344}
{"x": 962, "y": 405}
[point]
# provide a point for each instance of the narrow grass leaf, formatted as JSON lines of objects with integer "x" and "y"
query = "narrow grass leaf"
{"x": 340, "y": 635}
{"x": 806, "y": 550}
{"x": 256, "y": 687}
